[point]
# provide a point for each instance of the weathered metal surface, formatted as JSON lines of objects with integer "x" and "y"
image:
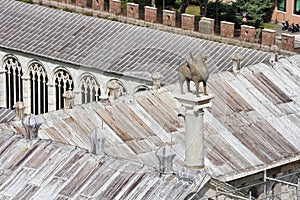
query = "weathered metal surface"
{"x": 6, "y": 115}
{"x": 253, "y": 123}
{"x": 64, "y": 172}
{"x": 107, "y": 45}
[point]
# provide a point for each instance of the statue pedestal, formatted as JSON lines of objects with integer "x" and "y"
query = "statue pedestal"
{"x": 194, "y": 136}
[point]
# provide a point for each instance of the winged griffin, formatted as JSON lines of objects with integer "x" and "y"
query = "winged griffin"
{"x": 196, "y": 71}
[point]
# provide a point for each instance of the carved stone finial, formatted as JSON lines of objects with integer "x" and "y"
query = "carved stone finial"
{"x": 236, "y": 62}
{"x": 69, "y": 99}
{"x": 19, "y": 109}
{"x": 114, "y": 89}
{"x": 165, "y": 156}
{"x": 31, "y": 124}
{"x": 97, "y": 138}
{"x": 156, "y": 79}
{"x": 196, "y": 71}
{"x": 274, "y": 49}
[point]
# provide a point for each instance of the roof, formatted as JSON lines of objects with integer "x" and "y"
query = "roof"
{"x": 108, "y": 45}
{"x": 39, "y": 169}
{"x": 6, "y": 115}
{"x": 253, "y": 123}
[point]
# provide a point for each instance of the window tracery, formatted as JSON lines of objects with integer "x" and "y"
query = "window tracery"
{"x": 63, "y": 82}
{"x": 90, "y": 89}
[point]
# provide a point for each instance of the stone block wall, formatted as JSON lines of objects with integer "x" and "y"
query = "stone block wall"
{"x": 268, "y": 37}
{"x": 132, "y": 10}
{"x": 287, "y": 42}
{"x": 169, "y": 18}
{"x": 247, "y": 33}
{"x": 207, "y": 26}
{"x": 115, "y": 7}
{"x": 227, "y": 29}
{"x": 150, "y": 14}
{"x": 187, "y": 22}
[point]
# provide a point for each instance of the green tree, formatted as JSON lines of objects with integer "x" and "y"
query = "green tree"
{"x": 255, "y": 11}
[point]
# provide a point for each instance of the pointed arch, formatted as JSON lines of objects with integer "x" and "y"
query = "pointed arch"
{"x": 38, "y": 87}
{"x": 89, "y": 88}
{"x": 141, "y": 88}
{"x": 13, "y": 80}
{"x": 63, "y": 82}
{"x": 122, "y": 91}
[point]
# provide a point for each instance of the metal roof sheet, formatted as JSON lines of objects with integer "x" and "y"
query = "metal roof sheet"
{"x": 40, "y": 169}
{"x": 107, "y": 45}
{"x": 253, "y": 123}
{"x": 6, "y": 115}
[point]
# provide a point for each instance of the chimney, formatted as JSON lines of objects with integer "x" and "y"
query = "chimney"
{"x": 194, "y": 135}
{"x": 97, "y": 138}
{"x": 236, "y": 62}
{"x": 31, "y": 124}
{"x": 19, "y": 109}
{"x": 156, "y": 79}
{"x": 114, "y": 90}
{"x": 165, "y": 156}
{"x": 274, "y": 49}
{"x": 69, "y": 99}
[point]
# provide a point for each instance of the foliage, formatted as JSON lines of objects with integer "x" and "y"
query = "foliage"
{"x": 193, "y": 10}
{"x": 27, "y": 1}
{"x": 220, "y": 11}
{"x": 256, "y": 11}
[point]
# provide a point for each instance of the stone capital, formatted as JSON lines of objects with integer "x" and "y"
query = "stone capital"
{"x": 193, "y": 103}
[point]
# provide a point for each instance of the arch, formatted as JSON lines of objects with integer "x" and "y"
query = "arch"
{"x": 13, "y": 80}
{"x": 123, "y": 90}
{"x": 38, "y": 87}
{"x": 63, "y": 82}
{"x": 89, "y": 88}
{"x": 141, "y": 88}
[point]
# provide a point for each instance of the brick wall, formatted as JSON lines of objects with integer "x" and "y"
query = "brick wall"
{"x": 150, "y": 14}
{"x": 227, "y": 29}
{"x": 115, "y": 7}
{"x": 81, "y": 3}
{"x": 187, "y": 22}
{"x": 98, "y": 5}
{"x": 207, "y": 25}
{"x": 268, "y": 37}
{"x": 169, "y": 18}
{"x": 247, "y": 33}
{"x": 132, "y": 10}
{"x": 287, "y": 42}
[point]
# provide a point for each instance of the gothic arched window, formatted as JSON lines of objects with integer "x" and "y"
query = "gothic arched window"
{"x": 63, "y": 82}
{"x": 90, "y": 89}
{"x": 14, "y": 83}
{"x": 38, "y": 88}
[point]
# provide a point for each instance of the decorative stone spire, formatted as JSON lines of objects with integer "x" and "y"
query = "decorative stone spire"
{"x": 114, "y": 90}
{"x": 31, "y": 124}
{"x": 19, "y": 109}
{"x": 69, "y": 99}
{"x": 236, "y": 62}
{"x": 156, "y": 79}
{"x": 274, "y": 49}
{"x": 165, "y": 156}
{"x": 97, "y": 138}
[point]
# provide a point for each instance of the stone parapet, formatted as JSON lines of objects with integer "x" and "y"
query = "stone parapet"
{"x": 268, "y": 37}
{"x": 247, "y": 33}
{"x": 115, "y": 7}
{"x": 169, "y": 18}
{"x": 132, "y": 10}
{"x": 150, "y": 14}
{"x": 287, "y": 42}
{"x": 188, "y": 22}
{"x": 207, "y": 26}
{"x": 227, "y": 29}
